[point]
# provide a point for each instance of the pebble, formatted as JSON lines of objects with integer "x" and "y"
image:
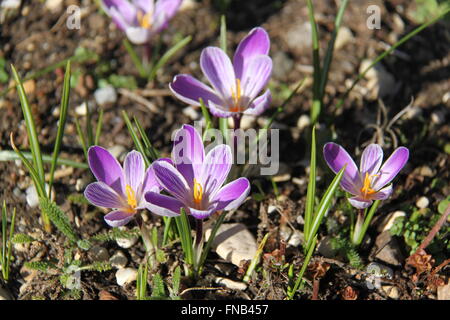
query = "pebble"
{"x": 81, "y": 109}
{"x": 29, "y": 86}
{"x": 344, "y": 36}
{"x": 126, "y": 243}
{"x": 191, "y": 113}
{"x": 299, "y": 36}
{"x": 391, "y": 291}
{"x": 230, "y": 284}
{"x": 233, "y": 242}
{"x": 54, "y": 5}
{"x": 380, "y": 82}
{"x": 422, "y": 202}
{"x": 99, "y": 253}
{"x": 105, "y": 95}
{"x": 325, "y": 247}
{"x": 426, "y": 171}
{"x": 118, "y": 260}
{"x": 117, "y": 151}
{"x": 10, "y": 4}
{"x": 282, "y": 65}
{"x": 390, "y": 219}
{"x": 303, "y": 121}
{"x": 443, "y": 292}
{"x": 389, "y": 249}
{"x": 438, "y": 117}
{"x": 32, "y": 196}
{"x": 81, "y": 183}
{"x": 126, "y": 275}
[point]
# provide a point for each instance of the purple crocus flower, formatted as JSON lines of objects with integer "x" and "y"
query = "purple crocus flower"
{"x": 194, "y": 181}
{"x": 141, "y": 19}
{"x": 369, "y": 182}
{"x": 235, "y": 86}
{"x": 119, "y": 188}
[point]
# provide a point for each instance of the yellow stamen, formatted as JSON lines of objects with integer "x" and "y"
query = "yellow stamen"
{"x": 198, "y": 192}
{"x": 366, "y": 189}
{"x": 144, "y": 19}
{"x": 131, "y": 197}
{"x": 236, "y": 95}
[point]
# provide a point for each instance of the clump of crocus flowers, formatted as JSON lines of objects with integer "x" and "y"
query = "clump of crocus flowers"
{"x": 235, "y": 85}
{"x": 141, "y": 19}
{"x": 369, "y": 183}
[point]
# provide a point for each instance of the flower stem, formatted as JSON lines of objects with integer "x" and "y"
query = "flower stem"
{"x": 145, "y": 234}
{"x": 358, "y": 227}
{"x": 198, "y": 244}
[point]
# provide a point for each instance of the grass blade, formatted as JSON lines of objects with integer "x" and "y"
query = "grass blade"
{"x": 299, "y": 281}
{"x": 209, "y": 243}
{"x": 152, "y": 152}
{"x": 61, "y": 125}
{"x": 323, "y": 207}
{"x": 255, "y": 259}
{"x": 329, "y": 54}
{"x": 310, "y": 195}
{"x": 184, "y": 230}
{"x": 31, "y": 127}
{"x": 137, "y": 142}
{"x": 171, "y": 52}
{"x": 9, "y": 155}
{"x": 98, "y": 130}
{"x": 223, "y": 33}
{"x": 134, "y": 57}
{"x": 11, "y": 234}
{"x": 81, "y": 138}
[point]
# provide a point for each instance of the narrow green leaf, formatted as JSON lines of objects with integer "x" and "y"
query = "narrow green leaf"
{"x": 61, "y": 125}
{"x": 223, "y": 33}
{"x": 310, "y": 195}
{"x": 209, "y": 243}
{"x": 31, "y": 127}
{"x": 169, "y": 54}
{"x": 134, "y": 57}
{"x": 83, "y": 144}
{"x": 323, "y": 207}
{"x": 255, "y": 261}
{"x": 152, "y": 152}
{"x": 10, "y": 155}
{"x": 11, "y": 234}
{"x": 98, "y": 130}
{"x": 303, "y": 269}
{"x": 137, "y": 142}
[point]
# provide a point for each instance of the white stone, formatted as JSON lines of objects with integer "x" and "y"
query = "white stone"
{"x": 10, "y": 4}
{"x": 230, "y": 284}
{"x": 81, "y": 110}
{"x": 303, "y": 121}
{"x": 391, "y": 291}
{"x": 105, "y": 95}
{"x": 118, "y": 260}
{"x": 299, "y": 36}
{"x": 247, "y": 121}
{"x": 422, "y": 202}
{"x": 32, "y": 196}
{"x": 233, "y": 242}
{"x": 344, "y": 36}
{"x": 117, "y": 151}
{"x": 380, "y": 82}
{"x": 191, "y": 113}
{"x": 389, "y": 221}
{"x": 126, "y": 243}
{"x": 126, "y": 275}
{"x": 53, "y": 5}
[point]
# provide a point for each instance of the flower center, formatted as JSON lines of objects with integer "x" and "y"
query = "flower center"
{"x": 236, "y": 95}
{"x": 131, "y": 196}
{"x": 144, "y": 19}
{"x": 198, "y": 192}
{"x": 366, "y": 190}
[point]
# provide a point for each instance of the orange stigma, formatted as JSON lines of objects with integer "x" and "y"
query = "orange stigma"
{"x": 366, "y": 189}
{"x": 236, "y": 95}
{"x": 198, "y": 192}
{"x": 131, "y": 197}
{"x": 144, "y": 19}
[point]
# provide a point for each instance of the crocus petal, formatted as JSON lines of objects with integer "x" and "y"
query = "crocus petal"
{"x": 219, "y": 111}
{"x": 144, "y": 5}
{"x": 164, "y": 11}
{"x": 232, "y": 195}
{"x": 123, "y": 7}
{"x": 102, "y": 195}
{"x": 171, "y": 180}
{"x": 190, "y": 90}
{"x": 255, "y": 76}
{"x": 260, "y": 104}
{"x": 118, "y": 218}
{"x": 371, "y": 160}
{"x": 359, "y": 203}
{"x": 202, "y": 214}
{"x": 336, "y": 157}
{"x": 217, "y": 67}
{"x": 134, "y": 169}
{"x": 118, "y": 19}
{"x": 163, "y": 205}
{"x": 383, "y": 194}
{"x": 188, "y": 152}
{"x": 150, "y": 182}
{"x": 391, "y": 167}
{"x": 106, "y": 168}
{"x": 216, "y": 167}
{"x": 257, "y": 42}
{"x": 138, "y": 35}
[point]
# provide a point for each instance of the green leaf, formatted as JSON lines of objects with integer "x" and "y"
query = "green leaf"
{"x": 310, "y": 195}
{"x": 22, "y": 238}
{"x": 158, "y": 286}
{"x": 59, "y": 218}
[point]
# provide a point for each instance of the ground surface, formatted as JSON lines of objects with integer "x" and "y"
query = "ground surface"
{"x": 420, "y": 70}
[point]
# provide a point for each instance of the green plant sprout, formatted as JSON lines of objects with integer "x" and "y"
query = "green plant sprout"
{"x": 6, "y": 249}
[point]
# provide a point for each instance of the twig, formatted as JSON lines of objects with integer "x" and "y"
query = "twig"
{"x": 139, "y": 99}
